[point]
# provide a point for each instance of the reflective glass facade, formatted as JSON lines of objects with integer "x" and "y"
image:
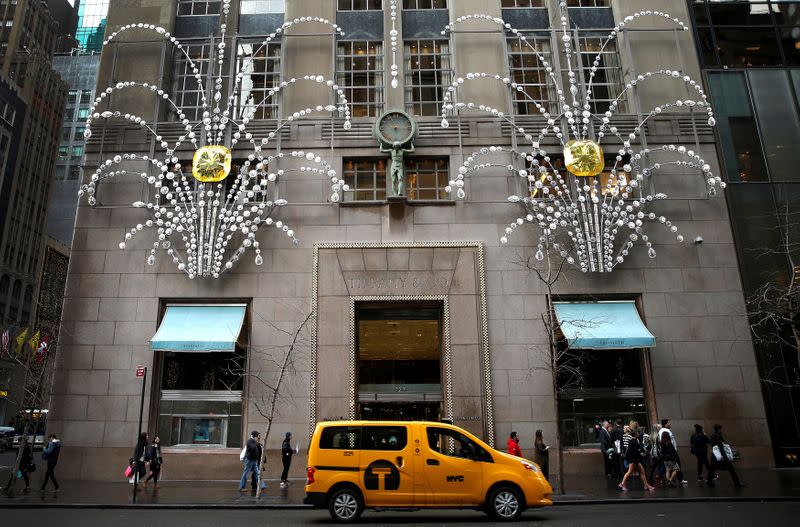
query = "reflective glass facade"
{"x": 749, "y": 51}
{"x": 91, "y": 24}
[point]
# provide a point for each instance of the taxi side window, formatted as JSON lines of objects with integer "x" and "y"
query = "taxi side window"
{"x": 341, "y": 438}
{"x": 384, "y": 437}
{"x": 455, "y": 444}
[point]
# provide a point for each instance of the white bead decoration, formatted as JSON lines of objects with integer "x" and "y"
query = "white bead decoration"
{"x": 593, "y": 226}
{"x": 204, "y": 227}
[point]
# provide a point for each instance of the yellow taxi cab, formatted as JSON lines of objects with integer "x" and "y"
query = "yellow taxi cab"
{"x": 353, "y": 465}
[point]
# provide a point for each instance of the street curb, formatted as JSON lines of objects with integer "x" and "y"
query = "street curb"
{"x": 265, "y": 506}
{"x": 697, "y": 499}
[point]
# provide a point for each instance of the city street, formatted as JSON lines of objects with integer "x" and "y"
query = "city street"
{"x": 667, "y": 514}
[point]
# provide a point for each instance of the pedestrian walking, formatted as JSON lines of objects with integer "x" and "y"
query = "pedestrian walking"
{"x": 25, "y": 464}
{"x": 656, "y": 472}
{"x": 541, "y": 454}
{"x": 699, "y": 449}
{"x": 50, "y": 455}
{"x": 666, "y": 429}
{"x": 669, "y": 456}
{"x": 153, "y": 456}
{"x": 139, "y": 459}
{"x": 626, "y": 439}
{"x": 721, "y": 458}
{"x": 251, "y": 456}
{"x": 616, "y": 437}
{"x": 286, "y": 457}
{"x": 633, "y": 456}
{"x": 513, "y": 445}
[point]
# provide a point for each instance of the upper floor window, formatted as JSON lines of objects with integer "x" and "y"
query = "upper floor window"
{"x": 588, "y": 3}
{"x": 522, "y": 3}
{"x": 746, "y": 34}
{"x": 424, "y": 4}
{"x": 261, "y": 67}
{"x": 366, "y": 178}
{"x": 359, "y": 72}
{"x": 427, "y": 75}
{"x": 427, "y": 178}
{"x": 607, "y": 83}
{"x": 260, "y": 7}
{"x": 185, "y": 88}
{"x": 359, "y": 5}
{"x": 527, "y": 70}
{"x": 198, "y": 7}
{"x": 72, "y": 97}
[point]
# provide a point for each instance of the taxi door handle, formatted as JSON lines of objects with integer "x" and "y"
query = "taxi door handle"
{"x": 433, "y": 461}
{"x": 399, "y": 461}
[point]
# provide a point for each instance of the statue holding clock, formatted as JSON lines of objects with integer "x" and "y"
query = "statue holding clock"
{"x": 395, "y": 131}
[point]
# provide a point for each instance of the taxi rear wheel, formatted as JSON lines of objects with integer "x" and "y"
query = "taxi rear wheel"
{"x": 345, "y": 505}
{"x": 505, "y": 504}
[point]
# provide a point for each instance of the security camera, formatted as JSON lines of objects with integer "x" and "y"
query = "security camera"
{"x": 697, "y": 240}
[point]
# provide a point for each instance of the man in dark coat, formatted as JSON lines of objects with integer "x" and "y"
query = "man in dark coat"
{"x": 604, "y": 436}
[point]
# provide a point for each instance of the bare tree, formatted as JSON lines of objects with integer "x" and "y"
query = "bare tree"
{"x": 272, "y": 369}
{"x": 774, "y": 307}
{"x": 566, "y": 370}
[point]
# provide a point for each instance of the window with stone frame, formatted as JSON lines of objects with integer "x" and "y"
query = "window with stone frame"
{"x": 261, "y": 7}
{"x": 262, "y": 70}
{"x": 427, "y": 75}
{"x": 608, "y": 82}
{"x": 359, "y": 5}
{"x": 588, "y": 3}
{"x": 427, "y": 177}
{"x": 359, "y": 72}
{"x": 508, "y": 4}
{"x": 198, "y": 8}
{"x": 187, "y": 92}
{"x": 424, "y": 4}
{"x": 366, "y": 179}
{"x": 526, "y": 69}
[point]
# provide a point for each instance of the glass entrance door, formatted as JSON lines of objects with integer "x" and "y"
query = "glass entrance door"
{"x": 399, "y": 368}
{"x": 401, "y": 411}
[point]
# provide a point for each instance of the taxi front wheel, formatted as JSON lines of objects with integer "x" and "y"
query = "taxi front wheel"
{"x": 505, "y": 504}
{"x": 345, "y": 505}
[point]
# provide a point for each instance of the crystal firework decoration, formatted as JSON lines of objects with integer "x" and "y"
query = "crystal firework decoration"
{"x": 591, "y": 221}
{"x": 208, "y": 215}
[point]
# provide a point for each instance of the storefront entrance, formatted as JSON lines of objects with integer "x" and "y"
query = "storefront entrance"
{"x": 399, "y": 368}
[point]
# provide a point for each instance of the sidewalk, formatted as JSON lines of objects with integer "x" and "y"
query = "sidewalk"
{"x": 760, "y": 485}
{"x": 765, "y": 485}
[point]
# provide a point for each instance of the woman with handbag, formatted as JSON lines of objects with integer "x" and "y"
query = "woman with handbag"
{"x": 139, "y": 456}
{"x": 633, "y": 456}
{"x": 721, "y": 457}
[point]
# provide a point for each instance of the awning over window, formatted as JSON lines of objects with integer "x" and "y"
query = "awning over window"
{"x": 603, "y": 325}
{"x": 199, "y": 328}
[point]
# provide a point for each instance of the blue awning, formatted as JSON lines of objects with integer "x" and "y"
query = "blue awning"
{"x": 603, "y": 325}
{"x": 199, "y": 328}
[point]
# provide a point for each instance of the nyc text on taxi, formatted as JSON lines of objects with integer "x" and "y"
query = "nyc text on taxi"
{"x": 355, "y": 465}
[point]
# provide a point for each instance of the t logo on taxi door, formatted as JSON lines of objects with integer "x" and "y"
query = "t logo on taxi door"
{"x": 459, "y": 479}
{"x": 381, "y": 470}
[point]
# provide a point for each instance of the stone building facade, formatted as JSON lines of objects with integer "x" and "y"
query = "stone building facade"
{"x": 372, "y": 271}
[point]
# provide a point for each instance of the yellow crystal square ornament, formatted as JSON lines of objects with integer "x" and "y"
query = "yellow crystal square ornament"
{"x": 211, "y": 163}
{"x": 584, "y": 158}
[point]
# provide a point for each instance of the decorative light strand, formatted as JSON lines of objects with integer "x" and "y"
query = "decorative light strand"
{"x": 592, "y": 222}
{"x": 205, "y": 228}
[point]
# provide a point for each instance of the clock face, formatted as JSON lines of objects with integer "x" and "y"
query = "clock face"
{"x": 395, "y": 127}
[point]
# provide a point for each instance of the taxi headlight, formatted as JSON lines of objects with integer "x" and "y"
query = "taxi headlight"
{"x": 531, "y": 467}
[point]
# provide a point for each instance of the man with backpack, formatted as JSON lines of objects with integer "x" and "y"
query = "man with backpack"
{"x": 251, "y": 456}
{"x": 50, "y": 454}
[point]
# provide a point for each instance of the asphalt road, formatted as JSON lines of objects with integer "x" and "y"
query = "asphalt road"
{"x": 776, "y": 514}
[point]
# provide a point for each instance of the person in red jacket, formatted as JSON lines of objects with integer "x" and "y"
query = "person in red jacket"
{"x": 513, "y": 445}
